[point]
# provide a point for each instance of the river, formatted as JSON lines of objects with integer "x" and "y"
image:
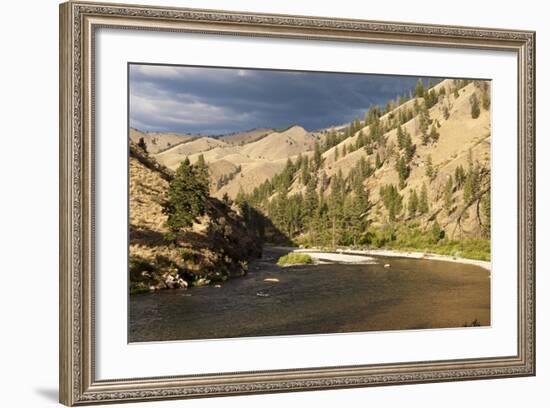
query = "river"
{"x": 312, "y": 299}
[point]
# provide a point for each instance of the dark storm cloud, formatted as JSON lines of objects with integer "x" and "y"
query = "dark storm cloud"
{"x": 217, "y": 100}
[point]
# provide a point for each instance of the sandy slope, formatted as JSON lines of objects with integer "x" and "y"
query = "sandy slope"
{"x": 259, "y": 160}
{"x": 247, "y": 136}
{"x": 171, "y": 158}
{"x": 277, "y": 146}
{"x": 158, "y": 141}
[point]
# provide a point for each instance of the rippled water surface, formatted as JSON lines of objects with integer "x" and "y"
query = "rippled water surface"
{"x": 311, "y": 299}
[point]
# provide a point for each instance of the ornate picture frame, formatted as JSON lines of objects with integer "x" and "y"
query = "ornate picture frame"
{"x": 78, "y": 24}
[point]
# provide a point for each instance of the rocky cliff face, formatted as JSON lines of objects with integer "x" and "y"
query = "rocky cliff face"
{"x": 217, "y": 247}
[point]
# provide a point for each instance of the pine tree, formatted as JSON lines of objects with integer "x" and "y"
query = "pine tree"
{"x": 378, "y": 162}
{"x": 201, "y": 170}
{"x": 471, "y": 184}
{"x": 436, "y": 233}
{"x": 424, "y": 122}
{"x": 434, "y": 136}
{"x": 393, "y": 201}
{"x": 409, "y": 147}
{"x": 335, "y": 207}
{"x": 460, "y": 176}
{"x": 317, "y": 158}
{"x": 486, "y": 210}
{"x": 400, "y": 137}
{"x": 305, "y": 175}
{"x": 448, "y": 194}
{"x": 311, "y": 199}
{"x": 419, "y": 89}
{"x": 336, "y": 153}
{"x": 225, "y": 199}
{"x": 430, "y": 173}
{"x": 485, "y": 97}
{"x": 423, "y": 206}
{"x": 416, "y": 106}
{"x": 413, "y": 203}
{"x": 185, "y": 199}
{"x": 355, "y": 212}
{"x": 402, "y": 170}
{"x": 299, "y": 161}
{"x": 142, "y": 145}
{"x": 240, "y": 198}
{"x": 360, "y": 140}
{"x": 446, "y": 113}
{"x": 471, "y": 181}
{"x": 474, "y": 106}
{"x": 292, "y": 212}
{"x": 430, "y": 98}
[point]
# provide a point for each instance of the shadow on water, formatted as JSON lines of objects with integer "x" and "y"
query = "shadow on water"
{"x": 313, "y": 299}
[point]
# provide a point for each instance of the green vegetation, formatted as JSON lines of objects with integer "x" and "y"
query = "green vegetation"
{"x": 294, "y": 259}
{"x": 226, "y": 178}
{"x": 186, "y": 196}
{"x": 446, "y": 113}
{"x": 474, "y": 106}
{"x": 413, "y": 203}
{"x": 393, "y": 201}
{"x": 424, "y": 123}
{"x": 403, "y": 171}
{"x": 142, "y": 145}
{"x": 430, "y": 98}
{"x": 138, "y": 287}
{"x": 423, "y": 205}
{"x": 430, "y": 171}
{"x": 320, "y": 206}
{"x": 419, "y": 90}
{"x": 484, "y": 87}
{"x": 410, "y": 237}
{"x": 334, "y": 217}
{"x": 448, "y": 194}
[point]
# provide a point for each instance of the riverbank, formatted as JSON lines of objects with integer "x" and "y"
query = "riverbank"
{"x": 318, "y": 298}
{"x": 365, "y": 256}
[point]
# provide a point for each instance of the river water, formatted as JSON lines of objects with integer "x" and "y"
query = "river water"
{"x": 312, "y": 299}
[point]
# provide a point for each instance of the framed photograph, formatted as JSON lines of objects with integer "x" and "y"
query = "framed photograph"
{"x": 256, "y": 203}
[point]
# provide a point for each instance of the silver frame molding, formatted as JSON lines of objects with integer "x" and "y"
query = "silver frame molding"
{"x": 78, "y": 22}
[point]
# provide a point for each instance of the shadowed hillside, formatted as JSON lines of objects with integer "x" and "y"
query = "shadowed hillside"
{"x": 217, "y": 246}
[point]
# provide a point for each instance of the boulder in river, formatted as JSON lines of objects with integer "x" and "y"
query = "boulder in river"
{"x": 202, "y": 282}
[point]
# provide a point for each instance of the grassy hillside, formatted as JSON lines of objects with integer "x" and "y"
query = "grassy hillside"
{"x": 248, "y": 136}
{"x": 415, "y": 175}
{"x": 156, "y": 142}
{"x": 216, "y": 247}
{"x": 236, "y": 166}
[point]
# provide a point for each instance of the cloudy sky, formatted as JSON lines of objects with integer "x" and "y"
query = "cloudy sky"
{"x": 214, "y": 101}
